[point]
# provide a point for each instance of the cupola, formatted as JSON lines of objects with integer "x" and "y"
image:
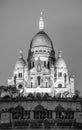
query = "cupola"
{"x": 60, "y": 63}
{"x": 20, "y": 62}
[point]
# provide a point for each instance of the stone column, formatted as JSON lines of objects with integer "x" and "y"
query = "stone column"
{"x": 31, "y": 118}
{"x": 31, "y": 115}
{"x": 53, "y": 115}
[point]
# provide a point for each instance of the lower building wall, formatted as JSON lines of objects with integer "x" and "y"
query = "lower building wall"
{"x": 30, "y": 113}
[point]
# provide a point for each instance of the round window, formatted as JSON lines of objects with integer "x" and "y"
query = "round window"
{"x": 59, "y": 85}
{"x": 20, "y": 86}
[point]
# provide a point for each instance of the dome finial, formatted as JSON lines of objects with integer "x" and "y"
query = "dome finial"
{"x": 41, "y": 22}
{"x": 20, "y": 53}
{"x": 59, "y": 52}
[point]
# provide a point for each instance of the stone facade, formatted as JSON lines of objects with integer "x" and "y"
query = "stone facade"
{"x": 31, "y": 112}
{"x": 43, "y": 72}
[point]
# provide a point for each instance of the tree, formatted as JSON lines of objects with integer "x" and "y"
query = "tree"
{"x": 12, "y": 90}
{"x": 77, "y": 93}
{"x": 2, "y": 89}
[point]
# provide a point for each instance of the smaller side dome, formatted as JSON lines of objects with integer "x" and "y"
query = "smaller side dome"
{"x": 60, "y": 63}
{"x": 21, "y": 62}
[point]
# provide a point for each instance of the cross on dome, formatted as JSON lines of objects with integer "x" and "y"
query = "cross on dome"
{"x": 41, "y": 22}
{"x": 59, "y": 53}
{"x": 20, "y": 53}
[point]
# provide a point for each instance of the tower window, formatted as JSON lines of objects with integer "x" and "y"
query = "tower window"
{"x": 20, "y": 75}
{"x": 15, "y": 76}
{"x": 44, "y": 50}
{"x": 38, "y": 80}
{"x": 30, "y": 65}
{"x": 65, "y": 76}
{"x": 48, "y": 65}
{"x": 31, "y": 85}
{"x": 20, "y": 86}
{"x": 59, "y": 74}
{"x": 33, "y": 64}
{"x": 44, "y": 63}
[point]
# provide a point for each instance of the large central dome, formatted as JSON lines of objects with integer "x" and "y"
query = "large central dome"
{"x": 41, "y": 39}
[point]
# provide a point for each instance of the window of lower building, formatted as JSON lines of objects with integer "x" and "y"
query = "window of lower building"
{"x": 38, "y": 80}
{"x": 20, "y": 86}
{"x": 65, "y": 115}
{"x": 17, "y": 115}
{"x": 27, "y": 114}
{"x": 43, "y": 114}
{"x": 49, "y": 114}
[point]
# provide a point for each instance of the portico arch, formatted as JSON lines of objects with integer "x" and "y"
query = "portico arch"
{"x": 59, "y": 108}
{"x": 39, "y": 108}
{"x": 60, "y": 112}
{"x": 41, "y": 113}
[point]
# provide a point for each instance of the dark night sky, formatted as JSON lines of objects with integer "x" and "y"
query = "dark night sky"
{"x": 19, "y": 23}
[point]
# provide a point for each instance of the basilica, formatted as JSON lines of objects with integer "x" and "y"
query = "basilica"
{"x": 40, "y": 94}
{"x": 43, "y": 72}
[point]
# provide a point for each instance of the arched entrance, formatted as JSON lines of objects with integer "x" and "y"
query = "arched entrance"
{"x": 41, "y": 113}
{"x": 20, "y": 113}
{"x": 60, "y": 112}
{"x": 17, "y": 112}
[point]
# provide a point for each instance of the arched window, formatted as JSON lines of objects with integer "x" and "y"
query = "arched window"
{"x": 65, "y": 76}
{"x": 15, "y": 77}
{"x": 60, "y": 112}
{"x": 41, "y": 113}
{"x": 48, "y": 65}
{"x": 20, "y": 75}
{"x": 20, "y": 86}
{"x": 31, "y": 84}
{"x": 27, "y": 115}
{"x": 30, "y": 65}
{"x": 38, "y": 80}
{"x": 33, "y": 63}
{"x": 49, "y": 114}
{"x": 44, "y": 63}
{"x": 18, "y": 112}
{"x": 46, "y": 84}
